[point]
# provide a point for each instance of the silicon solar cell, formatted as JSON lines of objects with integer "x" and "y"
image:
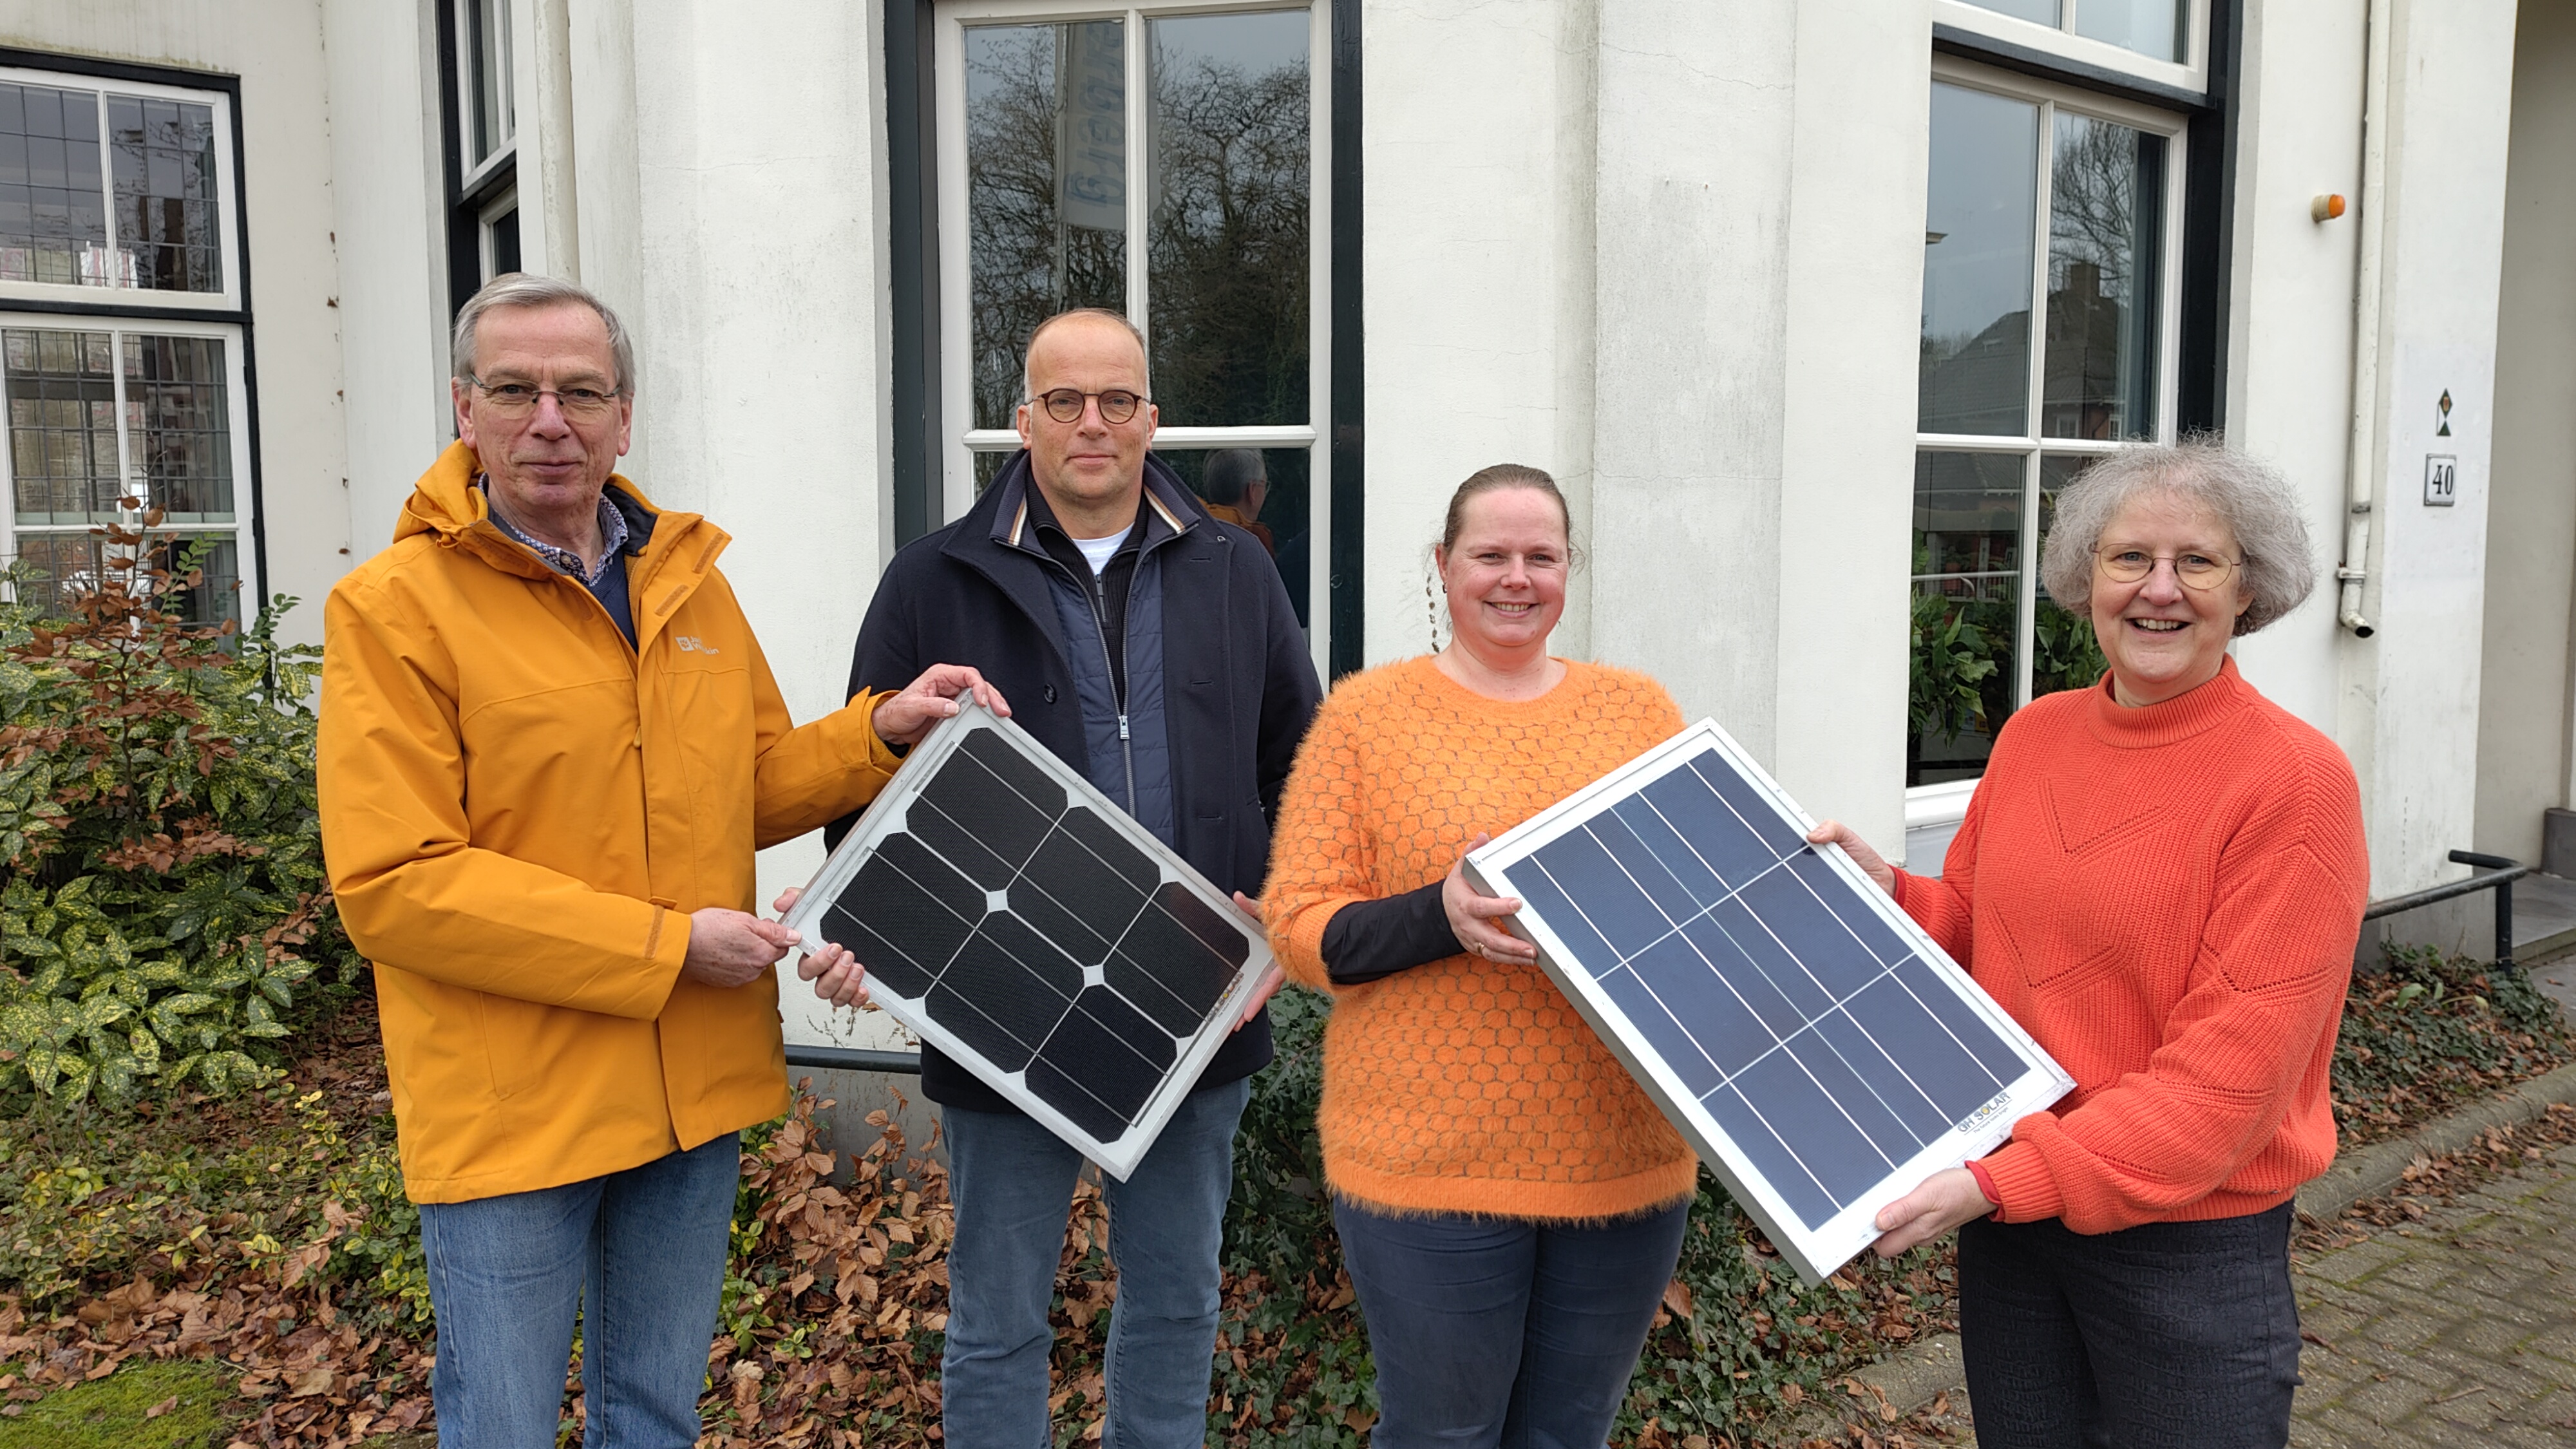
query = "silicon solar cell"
{"x": 1821, "y": 1053}
{"x": 1013, "y": 917}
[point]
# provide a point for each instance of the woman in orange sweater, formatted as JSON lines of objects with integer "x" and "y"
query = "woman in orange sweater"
{"x": 1510, "y": 1204}
{"x": 2162, "y": 879}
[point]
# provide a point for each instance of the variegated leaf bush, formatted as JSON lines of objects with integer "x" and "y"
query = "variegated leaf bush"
{"x": 162, "y": 897}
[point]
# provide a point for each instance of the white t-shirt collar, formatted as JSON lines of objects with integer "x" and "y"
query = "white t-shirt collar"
{"x": 1097, "y": 551}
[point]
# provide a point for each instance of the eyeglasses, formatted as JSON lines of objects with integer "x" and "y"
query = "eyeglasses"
{"x": 2194, "y": 570}
{"x": 1117, "y": 405}
{"x": 519, "y": 399}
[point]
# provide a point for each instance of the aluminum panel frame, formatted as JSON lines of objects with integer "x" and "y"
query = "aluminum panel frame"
{"x": 886, "y": 816}
{"x": 1816, "y": 1253}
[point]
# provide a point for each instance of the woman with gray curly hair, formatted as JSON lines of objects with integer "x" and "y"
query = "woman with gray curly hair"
{"x": 2161, "y": 878}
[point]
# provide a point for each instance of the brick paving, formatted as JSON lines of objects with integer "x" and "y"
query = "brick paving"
{"x": 2456, "y": 1329}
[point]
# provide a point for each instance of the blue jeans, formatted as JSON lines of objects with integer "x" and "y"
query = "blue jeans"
{"x": 1500, "y": 1331}
{"x": 2162, "y": 1336}
{"x": 640, "y": 1253}
{"x": 1012, "y": 1181}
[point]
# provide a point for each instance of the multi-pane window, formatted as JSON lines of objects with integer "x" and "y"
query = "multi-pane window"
{"x": 119, "y": 193}
{"x": 114, "y": 186}
{"x": 2156, "y": 29}
{"x": 1213, "y": 252}
{"x": 480, "y": 59}
{"x": 2047, "y": 340}
{"x": 100, "y": 416}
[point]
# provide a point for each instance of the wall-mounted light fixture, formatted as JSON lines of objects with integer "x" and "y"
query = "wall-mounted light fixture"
{"x": 2326, "y": 207}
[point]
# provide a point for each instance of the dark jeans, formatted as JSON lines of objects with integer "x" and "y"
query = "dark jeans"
{"x": 2168, "y": 1334}
{"x": 1491, "y": 1332}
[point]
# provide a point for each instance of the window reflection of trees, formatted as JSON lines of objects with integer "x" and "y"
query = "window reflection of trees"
{"x": 2105, "y": 181}
{"x": 1026, "y": 264}
{"x": 1229, "y": 241}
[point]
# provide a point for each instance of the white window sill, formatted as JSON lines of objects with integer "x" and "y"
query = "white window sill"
{"x": 1932, "y": 816}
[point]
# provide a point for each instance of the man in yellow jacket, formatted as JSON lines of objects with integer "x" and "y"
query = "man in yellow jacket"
{"x": 549, "y": 748}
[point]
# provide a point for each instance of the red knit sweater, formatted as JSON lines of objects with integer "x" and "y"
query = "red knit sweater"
{"x": 2168, "y": 899}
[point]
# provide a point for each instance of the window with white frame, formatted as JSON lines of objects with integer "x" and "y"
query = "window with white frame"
{"x": 2163, "y": 42}
{"x": 121, "y": 359}
{"x": 481, "y": 61}
{"x": 1161, "y": 161}
{"x": 2048, "y": 337}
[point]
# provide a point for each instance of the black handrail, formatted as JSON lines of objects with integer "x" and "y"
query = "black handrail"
{"x": 2500, "y": 875}
{"x": 854, "y": 1059}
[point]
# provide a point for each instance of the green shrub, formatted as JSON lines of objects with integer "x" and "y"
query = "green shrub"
{"x": 273, "y": 1181}
{"x": 2433, "y": 1031}
{"x": 162, "y": 894}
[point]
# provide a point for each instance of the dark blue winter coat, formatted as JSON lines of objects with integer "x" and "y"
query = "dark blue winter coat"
{"x": 1236, "y": 687}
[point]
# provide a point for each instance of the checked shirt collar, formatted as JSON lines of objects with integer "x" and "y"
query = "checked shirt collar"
{"x": 612, "y": 533}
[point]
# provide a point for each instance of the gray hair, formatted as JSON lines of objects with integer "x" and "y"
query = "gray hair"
{"x": 526, "y": 289}
{"x": 2249, "y": 496}
{"x": 1028, "y": 384}
{"x": 1229, "y": 474}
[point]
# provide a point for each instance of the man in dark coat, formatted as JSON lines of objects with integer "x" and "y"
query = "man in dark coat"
{"x": 1154, "y": 649}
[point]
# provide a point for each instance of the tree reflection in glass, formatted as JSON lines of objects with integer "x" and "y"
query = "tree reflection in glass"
{"x": 1046, "y": 188}
{"x": 1229, "y": 248}
{"x": 2105, "y": 218}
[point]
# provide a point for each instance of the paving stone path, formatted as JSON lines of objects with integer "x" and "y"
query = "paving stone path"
{"x": 2459, "y": 1329}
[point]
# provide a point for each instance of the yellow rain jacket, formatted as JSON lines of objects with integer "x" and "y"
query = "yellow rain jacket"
{"x": 520, "y": 811}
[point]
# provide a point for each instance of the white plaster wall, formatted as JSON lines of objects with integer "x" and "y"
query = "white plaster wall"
{"x": 1855, "y": 288}
{"x": 386, "y": 209}
{"x": 2409, "y": 695}
{"x": 1691, "y": 240}
{"x": 2523, "y": 717}
{"x": 2290, "y": 350}
{"x": 760, "y": 311}
{"x": 1477, "y": 177}
{"x": 276, "y": 50}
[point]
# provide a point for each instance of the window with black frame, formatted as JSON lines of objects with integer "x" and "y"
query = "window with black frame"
{"x": 478, "y": 61}
{"x": 122, "y": 343}
{"x": 2048, "y": 339}
{"x": 1164, "y": 162}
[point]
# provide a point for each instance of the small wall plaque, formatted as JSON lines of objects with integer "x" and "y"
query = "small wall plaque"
{"x": 2441, "y": 480}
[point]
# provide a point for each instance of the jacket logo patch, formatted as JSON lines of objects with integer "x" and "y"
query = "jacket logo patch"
{"x": 691, "y": 644}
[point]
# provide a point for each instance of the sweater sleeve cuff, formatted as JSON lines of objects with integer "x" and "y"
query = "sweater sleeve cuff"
{"x": 1986, "y": 1185}
{"x": 1897, "y": 891}
{"x": 2016, "y": 1176}
{"x": 1368, "y": 940}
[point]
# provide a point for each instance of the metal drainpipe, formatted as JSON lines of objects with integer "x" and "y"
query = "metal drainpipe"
{"x": 2361, "y": 467}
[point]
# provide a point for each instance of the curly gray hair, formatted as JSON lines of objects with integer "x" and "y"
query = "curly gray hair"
{"x": 528, "y": 289}
{"x": 2249, "y": 496}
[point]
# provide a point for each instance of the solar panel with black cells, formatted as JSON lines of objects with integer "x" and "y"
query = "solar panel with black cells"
{"x": 1819, "y": 1050}
{"x": 1010, "y": 915}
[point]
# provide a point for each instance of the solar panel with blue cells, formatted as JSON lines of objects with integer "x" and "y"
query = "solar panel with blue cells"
{"x": 1819, "y": 1038}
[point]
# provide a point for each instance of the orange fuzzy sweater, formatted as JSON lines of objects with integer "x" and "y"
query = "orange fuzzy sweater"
{"x": 2167, "y": 898}
{"x": 1462, "y": 1085}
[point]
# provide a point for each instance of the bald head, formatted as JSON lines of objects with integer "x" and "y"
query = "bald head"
{"x": 1091, "y": 469}
{"x": 1084, "y": 318}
